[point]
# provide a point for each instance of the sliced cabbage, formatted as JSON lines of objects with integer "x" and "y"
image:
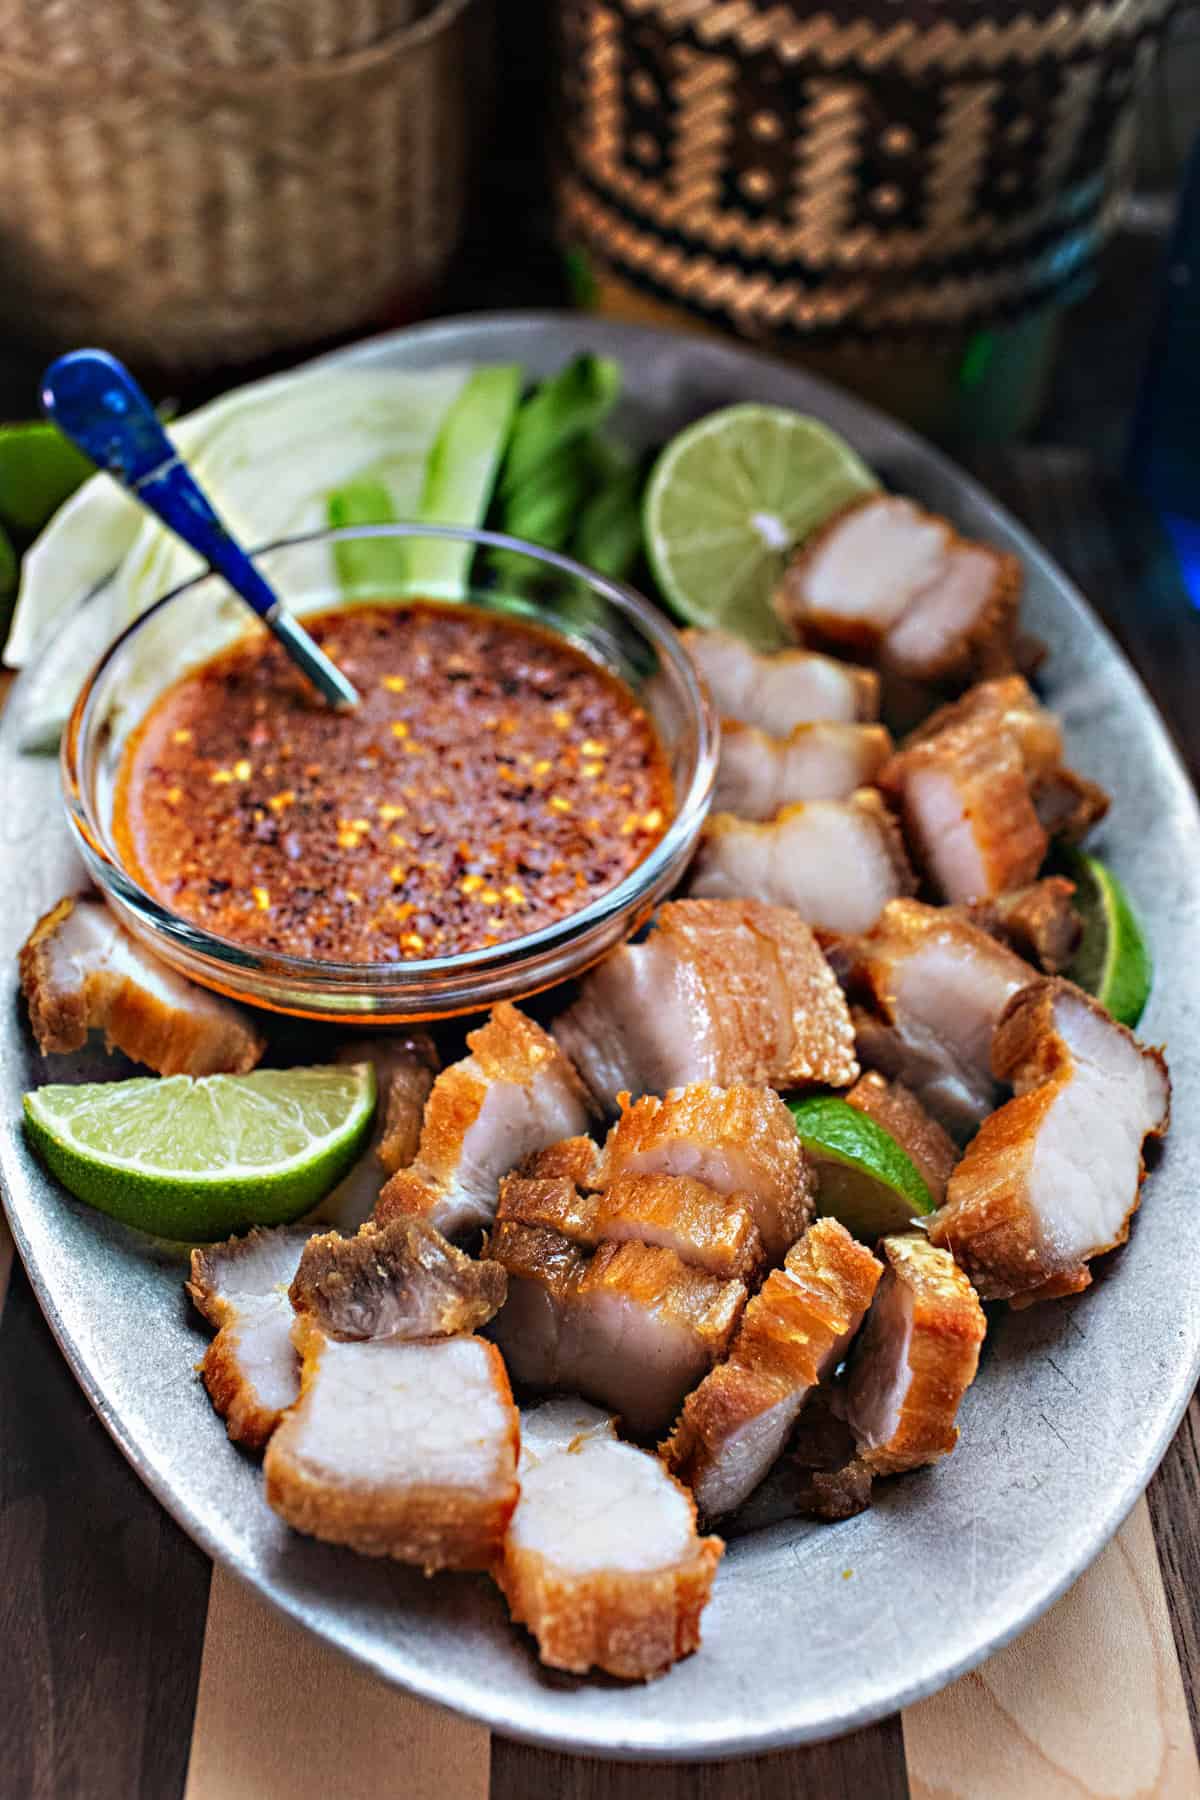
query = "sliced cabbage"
{"x": 269, "y": 454}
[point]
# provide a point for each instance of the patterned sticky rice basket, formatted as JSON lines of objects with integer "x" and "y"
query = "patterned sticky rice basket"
{"x": 199, "y": 183}
{"x": 864, "y": 169}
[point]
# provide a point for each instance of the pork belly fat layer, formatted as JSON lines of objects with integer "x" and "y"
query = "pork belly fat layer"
{"x": 405, "y": 1067}
{"x": 793, "y": 1334}
{"x": 402, "y": 1279}
{"x": 916, "y": 1358}
{"x": 631, "y": 1327}
{"x": 760, "y": 774}
{"x": 407, "y": 1450}
{"x": 250, "y": 1369}
{"x": 887, "y": 579}
{"x": 80, "y": 972}
{"x": 786, "y": 688}
{"x": 602, "y": 1560}
{"x": 738, "y": 1141}
{"x": 836, "y": 863}
{"x": 935, "y": 987}
{"x": 514, "y": 1094}
{"x": 931, "y": 1150}
{"x": 723, "y": 991}
{"x": 1054, "y": 1177}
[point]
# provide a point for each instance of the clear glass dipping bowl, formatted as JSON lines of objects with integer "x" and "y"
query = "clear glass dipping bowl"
{"x": 605, "y": 619}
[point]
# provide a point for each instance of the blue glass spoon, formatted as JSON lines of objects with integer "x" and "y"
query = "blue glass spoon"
{"x": 94, "y": 401}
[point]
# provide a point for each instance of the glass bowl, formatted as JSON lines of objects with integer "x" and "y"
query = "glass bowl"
{"x": 608, "y": 621}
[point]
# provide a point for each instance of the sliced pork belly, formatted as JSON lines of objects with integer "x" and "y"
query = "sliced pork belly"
{"x": 80, "y": 972}
{"x": 916, "y": 1358}
{"x": 402, "y": 1279}
{"x": 1067, "y": 805}
{"x": 575, "y": 1159}
{"x": 602, "y": 1560}
{"x": 887, "y": 580}
{"x": 934, "y": 988}
{"x": 760, "y": 774}
{"x": 829, "y": 1479}
{"x": 786, "y": 688}
{"x": 1054, "y": 1177}
{"x": 631, "y": 1327}
{"x": 836, "y": 863}
{"x": 795, "y": 1331}
{"x": 703, "y": 1228}
{"x": 399, "y": 1449}
{"x": 250, "y": 1369}
{"x": 931, "y": 1150}
{"x": 1039, "y": 922}
{"x": 968, "y": 810}
{"x": 514, "y": 1094}
{"x": 739, "y": 1141}
{"x": 405, "y": 1066}
{"x": 723, "y": 991}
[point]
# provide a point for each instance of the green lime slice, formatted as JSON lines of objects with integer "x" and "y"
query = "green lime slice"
{"x": 198, "y": 1159}
{"x": 39, "y": 469}
{"x": 1113, "y": 959}
{"x": 864, "y": 1178}
{"x": 728, "y": 501}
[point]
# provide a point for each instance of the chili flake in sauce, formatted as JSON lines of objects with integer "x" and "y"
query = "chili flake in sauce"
{"x": 492, "y": 781}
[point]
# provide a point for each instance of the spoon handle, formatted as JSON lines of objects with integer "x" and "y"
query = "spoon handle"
{"x": 95, "y": 401}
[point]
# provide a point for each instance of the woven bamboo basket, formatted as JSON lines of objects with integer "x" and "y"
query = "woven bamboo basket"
{"x": 202, "y": 183}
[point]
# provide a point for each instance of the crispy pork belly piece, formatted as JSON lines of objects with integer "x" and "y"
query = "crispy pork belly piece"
{"x": 602, "y": 1560}
{"x": 794, "y": 1332}
{"x": 709, "y": 1230}
{"x": 916, "y": 1358}
{"x": 575, "y": 1159}
{"x": 1039, "y": 922}
{"x": 760, "y": 774}
{"x": 514, "y": 1094}
{"x": 968, "y": 810}
{"x": 405, "y": 1066}
{"x": 740, "y": 1142}
{"x": 402, "y": 1279}
{"x": 631, "y": 1327}
{"x": 934, "y": 987}
{"x": 1067, "y": 805}
{"x": 830, "y": 1481}
{"x": 81, "y": 972}
{"x": 399, "y": 1449}
{"x": 250, "y": 1369}
{"x": 836, "y": 863}
{"x": 887, "y": 580}
{"x": 931, "y": 1150}
{"x": 1054, "y": 1177}
{"x": 786, "y": 688}
{"x": 722, "y": 990}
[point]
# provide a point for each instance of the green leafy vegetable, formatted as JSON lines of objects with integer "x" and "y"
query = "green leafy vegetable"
{"x": 367, "y": 565}
{"x": 461, "y": 474}
{"x": 39, "y": 469}
{"x": 560, "y": 412}
{"x": 609, "y": 534}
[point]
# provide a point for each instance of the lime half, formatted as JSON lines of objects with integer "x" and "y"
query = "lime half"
{"x": 864, "y": 1178}
{"x": 728, "y": 501}
{"x": 1113, "y": 959}
{"x": 195, "y": 1159}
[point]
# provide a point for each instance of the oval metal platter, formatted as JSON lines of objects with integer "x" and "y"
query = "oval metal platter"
{"x": 812, "y": 1631}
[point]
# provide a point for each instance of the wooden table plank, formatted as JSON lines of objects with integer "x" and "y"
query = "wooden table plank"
{"x": 1089, "y": 1702}
{"x": 869, "y": 1765}
{"x": 1174, "y": 1501}
{"x": 102, "y": 1597}
{"x": 281, "y": 1716}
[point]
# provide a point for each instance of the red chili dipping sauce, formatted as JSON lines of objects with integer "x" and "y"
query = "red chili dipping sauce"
{"x": 492, "y": 780}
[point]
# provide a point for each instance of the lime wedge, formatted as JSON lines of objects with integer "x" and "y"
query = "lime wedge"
{"x": 864, "y": 1178}
{"x": 1113, "y": 959}
{"x": 194, "y": 1159}
{"x": 728, "y": 501}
